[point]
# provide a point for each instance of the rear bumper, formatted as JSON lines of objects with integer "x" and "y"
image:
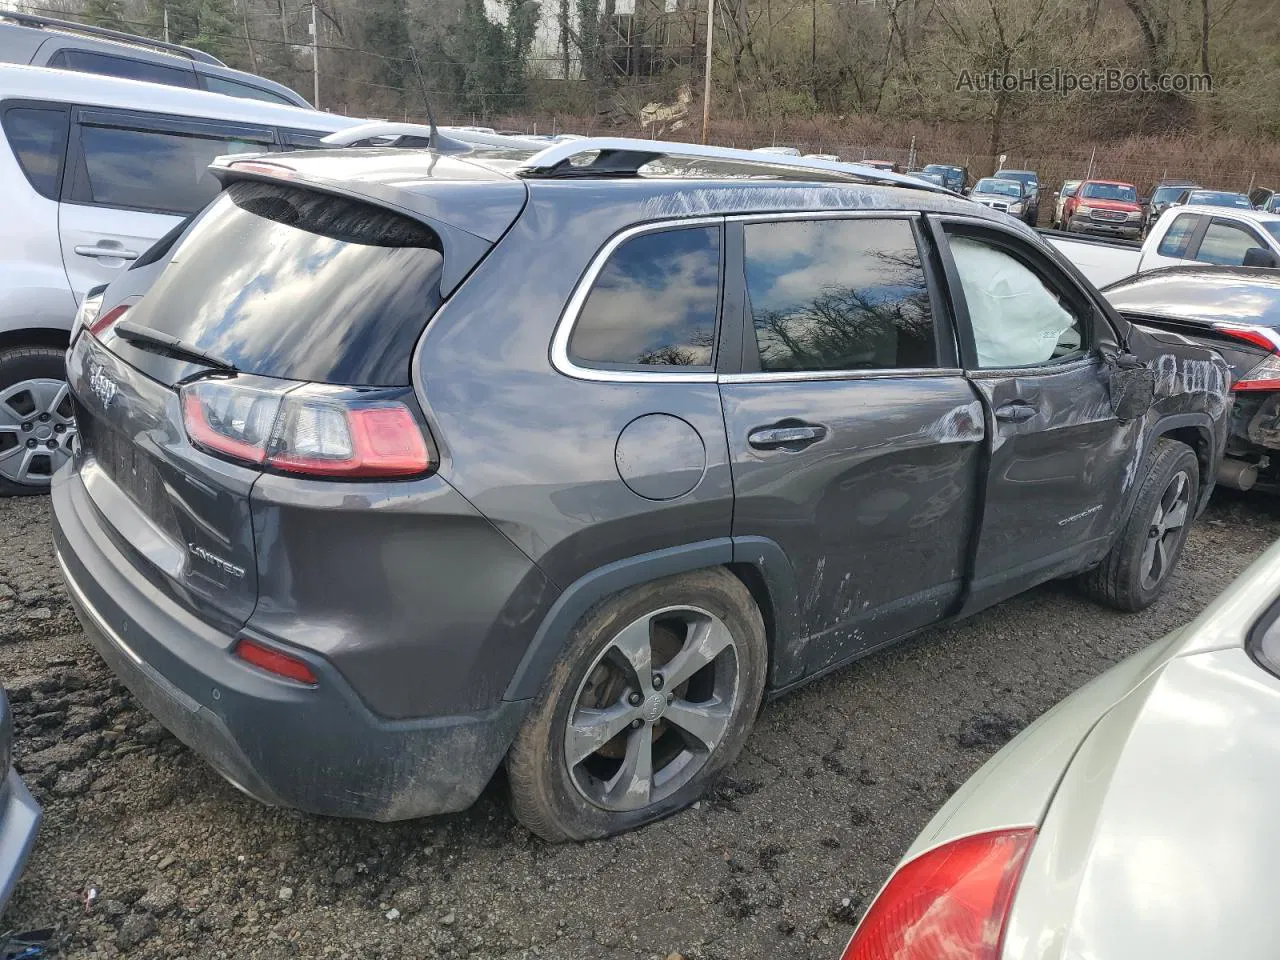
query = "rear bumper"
{"x": 318, "y": 749}
{"x": 19, "y": 821}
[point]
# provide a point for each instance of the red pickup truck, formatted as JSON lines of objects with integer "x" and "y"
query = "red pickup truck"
{"x": 1106, "y": 208}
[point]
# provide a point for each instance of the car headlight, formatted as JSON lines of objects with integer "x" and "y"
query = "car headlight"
{"x": 1083, "y": 210}
{"x": 1015, "y": 207}
{"x": 1135, "y": 215}
{"x": 90, "y": 307}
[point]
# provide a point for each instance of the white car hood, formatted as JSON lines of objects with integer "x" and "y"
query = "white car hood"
{"x": 1163, "y": 840}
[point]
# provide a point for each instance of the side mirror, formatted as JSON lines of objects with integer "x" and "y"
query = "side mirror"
{"x": 1145, "y": 201}
{"x": 1261, "y": 257}
{"x": 1133, "y": 390}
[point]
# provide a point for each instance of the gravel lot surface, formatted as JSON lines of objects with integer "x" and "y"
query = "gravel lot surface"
{"x": 777, "y": 863}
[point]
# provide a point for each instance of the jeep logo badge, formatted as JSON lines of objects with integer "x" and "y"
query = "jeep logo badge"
{"x": 101, "y": 385}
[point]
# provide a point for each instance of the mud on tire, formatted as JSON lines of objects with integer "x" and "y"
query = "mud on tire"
{"x": 577, "y": 768}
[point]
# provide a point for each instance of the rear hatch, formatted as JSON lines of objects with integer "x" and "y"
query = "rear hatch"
{"x": 283, "y": 309}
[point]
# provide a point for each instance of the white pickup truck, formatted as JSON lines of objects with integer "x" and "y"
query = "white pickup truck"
{"x": 1218, "y": 235}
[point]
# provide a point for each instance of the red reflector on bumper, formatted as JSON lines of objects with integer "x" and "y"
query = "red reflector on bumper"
{"x": 273, "y": 661}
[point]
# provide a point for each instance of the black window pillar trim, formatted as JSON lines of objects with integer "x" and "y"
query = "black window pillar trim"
{"x": 731, "y": 339}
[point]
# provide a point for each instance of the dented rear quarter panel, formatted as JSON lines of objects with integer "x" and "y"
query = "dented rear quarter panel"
{"x": 1192, "y": 393}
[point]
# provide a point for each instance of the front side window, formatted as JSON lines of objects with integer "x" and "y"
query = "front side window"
{"x": 1225, "y": 244}
{"x": 87, "y": 61}
{"x": 838, "y": 295}
{"x": 1017, "y": 320}
{"x": 654, "y": 303}
{"x": 1178, "y": 236}
{"x": 38, "y": 137}
{"x": 149, "y": 169}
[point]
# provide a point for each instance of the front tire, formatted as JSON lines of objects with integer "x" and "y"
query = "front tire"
{"x": 37, "y": 423}
{"x": 1140, "y": 563}
{"x": 652, "y": 699}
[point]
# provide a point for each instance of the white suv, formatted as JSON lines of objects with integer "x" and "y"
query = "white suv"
{"x": 94, "y": 170}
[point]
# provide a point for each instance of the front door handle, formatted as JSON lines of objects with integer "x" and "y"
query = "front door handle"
{"x": 1016, "y": 412}
{"x": 106, "y": 253}
{"x": 799, "y": 435}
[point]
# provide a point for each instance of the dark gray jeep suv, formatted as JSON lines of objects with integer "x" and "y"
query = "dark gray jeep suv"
{"x": 412, "y": 463}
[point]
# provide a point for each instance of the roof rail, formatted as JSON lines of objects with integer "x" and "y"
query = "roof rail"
{"x": 451, "y": 140}
{"x": 623, "y": 157}
{"x": 69, "y": 26}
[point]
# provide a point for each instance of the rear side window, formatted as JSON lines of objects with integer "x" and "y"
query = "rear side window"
{"x": 838, "y": 295}
{"x": 87, "y": 61}
{"x": 164, "y": 171}
{"x": 654, "y": 303}
{"x": 1175, "y": 241}
{"x": 246, "y": 91}
{"x": 38, "y": 137}
{"x": 1225, "y": 244}
{"x": 291, "y": 283}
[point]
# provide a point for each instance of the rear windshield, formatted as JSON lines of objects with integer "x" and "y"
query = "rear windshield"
{"x": 285, "y": 282}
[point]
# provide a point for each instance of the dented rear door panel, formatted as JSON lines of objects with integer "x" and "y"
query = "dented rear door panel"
{"x": 876, "y": 517}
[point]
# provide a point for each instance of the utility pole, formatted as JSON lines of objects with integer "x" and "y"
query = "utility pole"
{"x": 813, "y": 41}
{"x": 315, "y": 60}
{"x": 706, "y": 83}
{"x": 166, "y": 24}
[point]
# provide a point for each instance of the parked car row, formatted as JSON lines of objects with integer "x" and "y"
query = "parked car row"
{"x": 752, "y": 432}
{"x": 1183, "y": 235}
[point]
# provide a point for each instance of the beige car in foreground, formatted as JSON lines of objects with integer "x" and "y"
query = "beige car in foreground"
{"x": 1137, "y": 819}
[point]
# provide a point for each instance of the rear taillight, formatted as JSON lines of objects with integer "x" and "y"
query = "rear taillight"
{"x": 274, "y": 661}
{"x": 102, "y": 322}
{"x": 308, "y": 429}
{"x": 87, "y": 312}
{"x": 951, "y": 902}
{"x": 1266, "y": 375}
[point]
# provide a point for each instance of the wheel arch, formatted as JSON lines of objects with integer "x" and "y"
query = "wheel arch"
{"x": 758, "y": 563}
{"x": 1196, "y": 431}
{"x": 35, "y": 337}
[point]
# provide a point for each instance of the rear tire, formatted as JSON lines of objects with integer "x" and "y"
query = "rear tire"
{"x": 1141, "y": 561}
{"x": 35, "y": 408}
{"x": 609, "y": 746}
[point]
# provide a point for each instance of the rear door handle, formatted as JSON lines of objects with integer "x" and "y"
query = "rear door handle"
{"x": 803, "y": 434}
{"x": 105, "y": 253}
{"x": 1015, "y": 412}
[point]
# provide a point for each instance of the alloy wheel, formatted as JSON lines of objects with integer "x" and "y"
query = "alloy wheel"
{"x": 1165, "y": 529}
{"x": 37, "y": 424}
{"x": 653, "y": 708}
